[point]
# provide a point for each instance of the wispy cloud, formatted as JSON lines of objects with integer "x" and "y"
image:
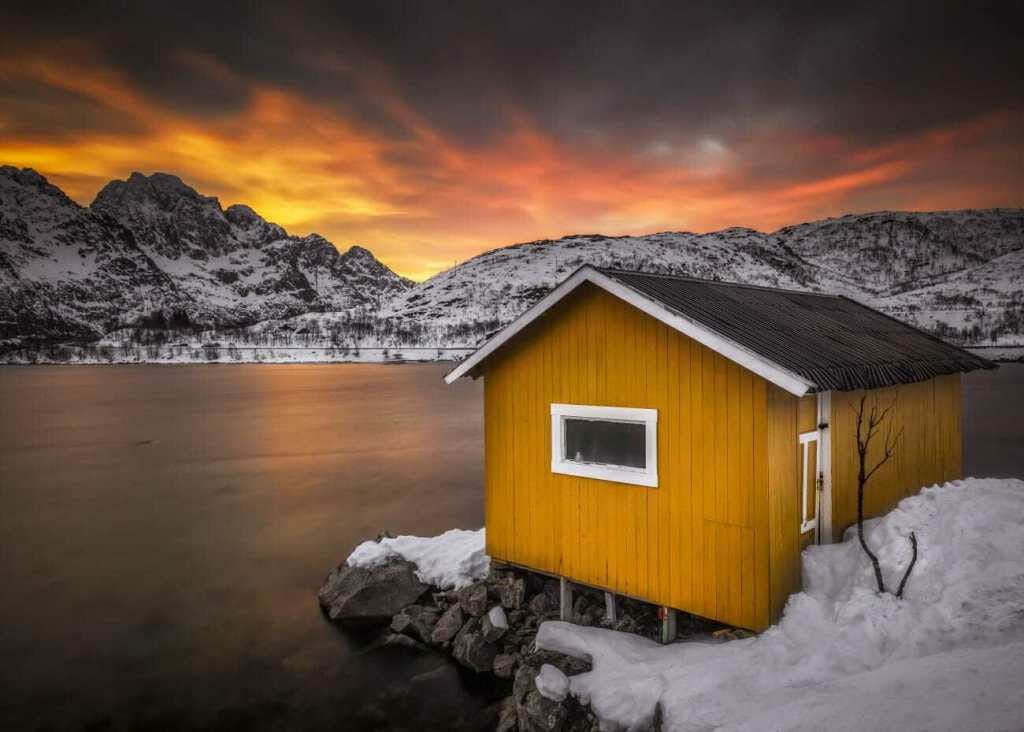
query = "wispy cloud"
{"x": 421, "y": 197}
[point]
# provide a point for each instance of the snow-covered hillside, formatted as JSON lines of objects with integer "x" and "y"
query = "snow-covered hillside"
{"x": 958, "y": 273}
{"x": 153, "y": 245}
{"x": 153, "y": 248}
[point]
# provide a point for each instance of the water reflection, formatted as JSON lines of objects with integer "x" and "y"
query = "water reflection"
{"x": 164, "y": 530}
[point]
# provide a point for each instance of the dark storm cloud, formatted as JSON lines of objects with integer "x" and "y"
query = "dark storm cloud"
{"x": 430, "y": 131}
{"x": 611, "y": 72}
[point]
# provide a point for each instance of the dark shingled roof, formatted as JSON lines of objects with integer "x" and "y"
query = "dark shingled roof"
{"x": 830, "y": 340}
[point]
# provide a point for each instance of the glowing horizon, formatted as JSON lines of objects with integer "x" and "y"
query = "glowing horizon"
{"x": 349, "y": 146}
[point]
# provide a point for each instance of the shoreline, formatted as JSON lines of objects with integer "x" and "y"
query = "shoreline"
{"x": 109, "y": 355}
{"x": 63, "y": 354}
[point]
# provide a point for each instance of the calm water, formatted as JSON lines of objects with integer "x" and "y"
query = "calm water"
{"x": 163, "y": 531}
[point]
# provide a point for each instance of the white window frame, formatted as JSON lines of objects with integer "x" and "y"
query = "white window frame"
{"x": 615, "y": 473}
{"x": 806, "y": 438}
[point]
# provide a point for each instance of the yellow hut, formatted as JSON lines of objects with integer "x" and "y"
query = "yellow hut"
{"x": 680, "y": 440}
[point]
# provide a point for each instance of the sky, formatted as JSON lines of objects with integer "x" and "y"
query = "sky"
{"x": 430, "y": 132}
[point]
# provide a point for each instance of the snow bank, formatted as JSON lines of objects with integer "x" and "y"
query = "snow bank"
{"x": 454, "y": 559}
{"x": 950, "y": 656}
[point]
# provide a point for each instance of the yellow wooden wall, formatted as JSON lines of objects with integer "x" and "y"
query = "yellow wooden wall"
{"x": 784, "y": 413}
{"x": 699, "y": 541}
{"x": 930, "y": 450}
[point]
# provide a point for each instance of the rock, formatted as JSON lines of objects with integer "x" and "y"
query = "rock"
{"x": 534, "y": 711}
{"x": 505, "y": 665}
{"x": 580, "y": 605}
{"x": 498, "y": 575}
{"x": 537, "y": 713}
{"x": 473, "y": 599}
{"x": 568, "y": 665}
{"x": 395, "y": 641}
{"x": 472, "y": 650}
{"x": 507, "y": 716}
{"x": 512, "y": 593}
{"x": 360, "y": 595}
{"x": 552, "y": 591}
{"x": 448, "y": 626}
{"x": 523, "y": 682}
{"x": 416, "y": 621}
{"x": 540, "y": 605}
{"x": 494, "y": 624}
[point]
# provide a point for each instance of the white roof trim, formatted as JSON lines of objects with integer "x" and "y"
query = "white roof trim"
{"x": 781, "y": 377}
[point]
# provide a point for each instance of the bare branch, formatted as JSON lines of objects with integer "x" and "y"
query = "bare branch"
{"x": 910, "y": 567}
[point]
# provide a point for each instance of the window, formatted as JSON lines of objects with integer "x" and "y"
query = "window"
{"x": 609, "y": 443}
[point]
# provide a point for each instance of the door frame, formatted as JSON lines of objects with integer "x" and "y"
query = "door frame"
{"x": 809, "y": 472}
{"x": 825, "y": 468}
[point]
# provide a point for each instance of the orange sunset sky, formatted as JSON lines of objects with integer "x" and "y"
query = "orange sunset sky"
{"x": 432, "y": 134}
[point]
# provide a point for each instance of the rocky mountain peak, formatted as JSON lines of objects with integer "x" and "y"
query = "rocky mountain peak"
{"x": 153, "y": 243}
{"x": 356, "y": 252}
{"x": 18, "y": 183}
{"x": 243, "y": 217}
{"x": 162, "y": 190}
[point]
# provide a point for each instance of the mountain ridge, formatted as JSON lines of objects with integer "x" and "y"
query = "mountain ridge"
{"x": 153, "y": 246}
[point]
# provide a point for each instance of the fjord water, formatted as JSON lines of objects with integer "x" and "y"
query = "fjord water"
{"x": 164, "y": 529}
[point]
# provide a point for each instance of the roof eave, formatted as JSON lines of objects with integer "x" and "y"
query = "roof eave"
{"x": 772, "y": 372}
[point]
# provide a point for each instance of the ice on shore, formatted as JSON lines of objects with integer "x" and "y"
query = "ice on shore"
{"x": 454, "y": 559}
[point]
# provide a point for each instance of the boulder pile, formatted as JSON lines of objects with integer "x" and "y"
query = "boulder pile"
{"x": 488, "y": 627}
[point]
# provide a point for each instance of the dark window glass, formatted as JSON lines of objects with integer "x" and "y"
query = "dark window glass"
{"x": 608, "y": 443}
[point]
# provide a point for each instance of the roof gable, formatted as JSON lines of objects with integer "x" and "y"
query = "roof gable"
{"x": 798, "y": 341}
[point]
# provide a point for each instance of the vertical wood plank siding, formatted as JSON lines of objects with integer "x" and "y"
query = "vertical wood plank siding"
{"x": 698, "y": 542}
{"x": 930, "y": 450}
{"x": 720, "y": 535}
{"x": 784, "y": 505}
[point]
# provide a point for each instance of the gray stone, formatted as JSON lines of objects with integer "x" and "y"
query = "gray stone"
{"x": 473, "y": 599}
{"x": 471, "y": 650}
{"x": 580, "y": 605}
{"x": 448, "y": 626}
{"x": 397, "y": 641}
{"x": 357, "y": 595}
{"x": 537, "y": 713}
{"x": 494, "y": 624}
{"x": 505, "y": 665}
{"x": 507, "y": 718}
{"x": 568, "y": 665}
{"x": 416, "y": 621}
{"x": 512, "y": 593}
{"x": 534, "y": 711}
{"x": 540, "y": 605}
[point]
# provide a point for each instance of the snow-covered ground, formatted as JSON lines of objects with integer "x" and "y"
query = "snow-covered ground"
{"x": 949, "y": 656}
{"x": 452, "y": 560}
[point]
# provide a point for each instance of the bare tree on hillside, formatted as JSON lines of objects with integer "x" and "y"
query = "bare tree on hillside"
{"x": 866, "y": 432}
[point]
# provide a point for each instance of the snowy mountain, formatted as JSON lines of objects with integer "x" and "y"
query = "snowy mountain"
{"x": 958, "y": 273}
{"x": 152, "y": 251}
{"x": 152, "y": 248}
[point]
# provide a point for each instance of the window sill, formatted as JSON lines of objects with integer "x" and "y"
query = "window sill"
{"x": 605, "y": 472}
